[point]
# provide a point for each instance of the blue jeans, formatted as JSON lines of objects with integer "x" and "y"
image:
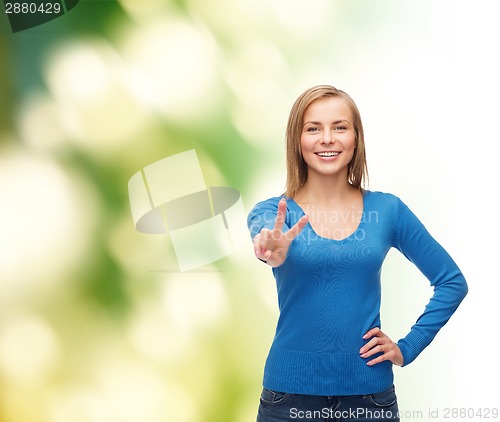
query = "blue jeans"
{"x": 280, "y": 407}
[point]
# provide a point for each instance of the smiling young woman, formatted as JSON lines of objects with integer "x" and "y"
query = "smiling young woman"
{"x": 328, "y": 140}
{"x": 326, "y": 238}
{"x": 327, "y": 145}
{"x": 296, "y": 166}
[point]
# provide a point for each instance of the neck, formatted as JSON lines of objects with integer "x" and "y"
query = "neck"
{"x": 326, "y": 190}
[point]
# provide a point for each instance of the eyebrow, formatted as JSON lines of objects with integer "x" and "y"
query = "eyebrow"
{"x": 336, "y": 122}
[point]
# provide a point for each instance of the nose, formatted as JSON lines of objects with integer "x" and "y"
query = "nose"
{"x": 328, "y": 137}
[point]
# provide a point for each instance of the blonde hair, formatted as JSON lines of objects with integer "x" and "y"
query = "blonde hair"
{"x": 357, "y": 170}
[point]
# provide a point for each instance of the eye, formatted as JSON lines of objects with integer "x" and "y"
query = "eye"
{"x": 312, "y": 129}
{"x": 340, "y": 128}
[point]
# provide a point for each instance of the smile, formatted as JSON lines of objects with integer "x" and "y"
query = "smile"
{"x": 328, "y": 153}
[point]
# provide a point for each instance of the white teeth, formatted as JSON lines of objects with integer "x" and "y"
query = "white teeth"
{"x": 328, "y": 154}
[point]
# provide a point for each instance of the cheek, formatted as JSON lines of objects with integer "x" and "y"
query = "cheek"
{"x": 303, "y": 143}
{"x": 350, "y": 142}
{"x": 306, "y": 147}
{"x": 350, "y": 147}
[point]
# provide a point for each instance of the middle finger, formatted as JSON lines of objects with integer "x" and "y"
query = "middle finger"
{"x": 372, "y": 343}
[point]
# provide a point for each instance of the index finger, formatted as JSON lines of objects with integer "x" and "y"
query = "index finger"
{"x": 372, "y": 333}
{"x": 280, "y": 216}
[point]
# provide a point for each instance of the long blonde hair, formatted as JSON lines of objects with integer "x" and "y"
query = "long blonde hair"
{"x": 357, "y": 170}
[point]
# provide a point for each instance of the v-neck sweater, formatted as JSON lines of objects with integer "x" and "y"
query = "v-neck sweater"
{"x": 329, "y": 294}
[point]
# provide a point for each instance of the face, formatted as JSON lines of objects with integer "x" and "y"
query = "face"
{"x": 328, "y": 138}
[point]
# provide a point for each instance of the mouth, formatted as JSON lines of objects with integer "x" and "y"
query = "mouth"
{"x": 328, "y": 153}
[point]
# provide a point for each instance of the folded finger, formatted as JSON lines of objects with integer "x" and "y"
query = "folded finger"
{"x": 259, "y": 251}
{"x": 264, "y": 238}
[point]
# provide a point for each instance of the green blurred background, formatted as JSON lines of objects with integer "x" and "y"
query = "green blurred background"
{"x": 97, "y": 323}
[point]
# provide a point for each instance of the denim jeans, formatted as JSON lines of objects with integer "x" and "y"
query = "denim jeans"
{"x": 280, "y": 407}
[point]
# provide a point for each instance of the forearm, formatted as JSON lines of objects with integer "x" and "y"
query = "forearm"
{"x": 449, "y": 284}
{"x": 444, "y": 302}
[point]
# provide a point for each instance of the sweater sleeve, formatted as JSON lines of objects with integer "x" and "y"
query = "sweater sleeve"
{"x": 263, "y": 215}
{"x": 413, "y": 240}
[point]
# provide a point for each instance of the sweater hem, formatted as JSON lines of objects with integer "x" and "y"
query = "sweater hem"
{"x": 325, "y": 373}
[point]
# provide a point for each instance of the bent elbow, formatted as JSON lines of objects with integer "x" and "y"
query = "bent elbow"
{"x": 464, "y": 289}
{"x": 460, "y": 288}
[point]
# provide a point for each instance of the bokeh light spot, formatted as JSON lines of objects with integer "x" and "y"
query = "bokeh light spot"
{"x": 28, "y": 347}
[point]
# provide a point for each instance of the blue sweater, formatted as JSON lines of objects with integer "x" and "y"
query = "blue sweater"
{"x": 329, "y": 297}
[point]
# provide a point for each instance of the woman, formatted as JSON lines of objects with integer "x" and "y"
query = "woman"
{"x": 326, "y": 239}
